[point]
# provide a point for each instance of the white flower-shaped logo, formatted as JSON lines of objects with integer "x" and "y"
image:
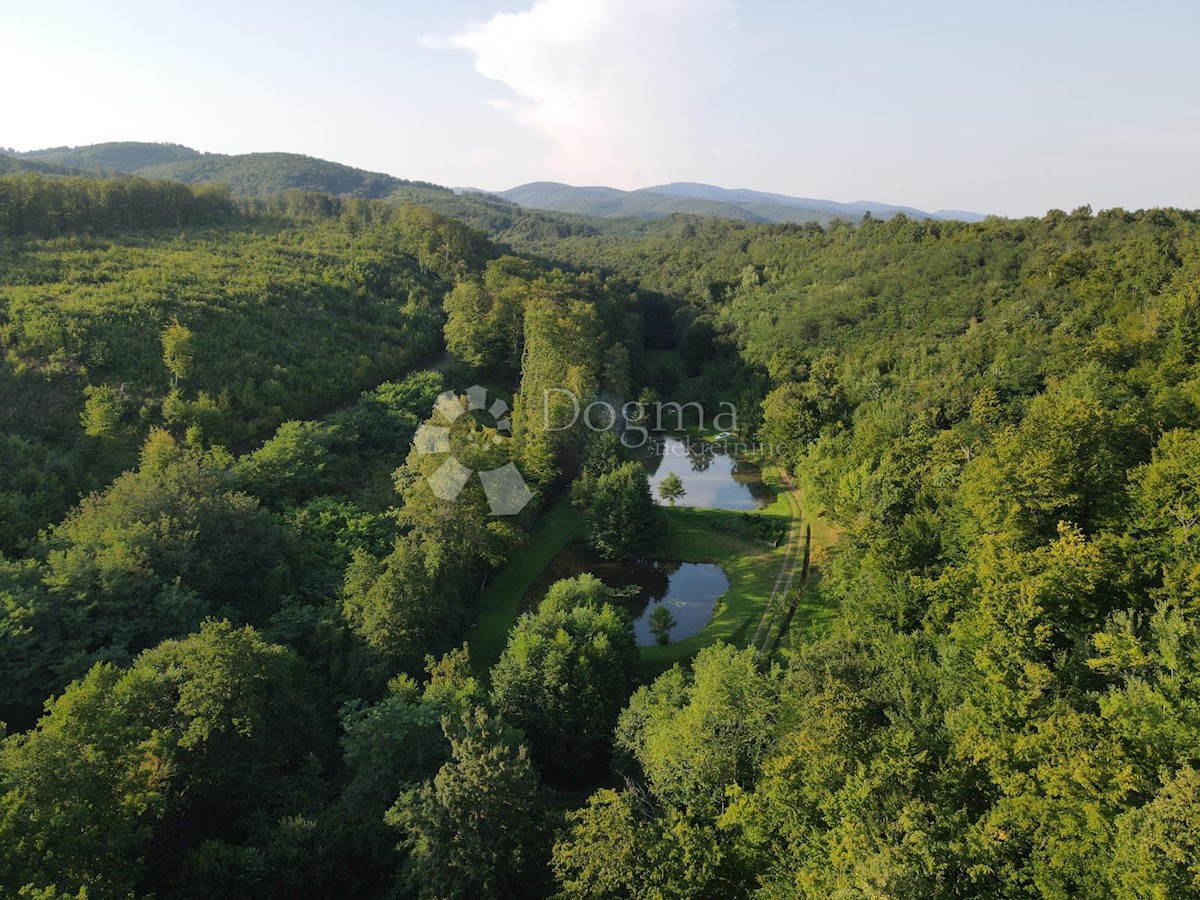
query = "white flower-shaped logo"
{"x": 505, "y": 488}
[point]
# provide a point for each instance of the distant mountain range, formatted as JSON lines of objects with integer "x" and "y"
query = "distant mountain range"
{"x": 706, "y": 200}
{"x": 263, "y": 174}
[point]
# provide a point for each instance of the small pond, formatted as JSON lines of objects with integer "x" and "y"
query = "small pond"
{"x": 713, "y": 477}
{"x": 689, "y": 590}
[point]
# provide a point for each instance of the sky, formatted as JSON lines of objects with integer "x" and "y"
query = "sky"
{"x": 1010, "y": 108}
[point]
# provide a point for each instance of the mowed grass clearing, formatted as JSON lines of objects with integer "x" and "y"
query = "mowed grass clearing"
{"x": 499, "y": 604}
{"x": 726, "y": 538}
{"x": 814, "y": 611}
{"x": 750, "y": 563}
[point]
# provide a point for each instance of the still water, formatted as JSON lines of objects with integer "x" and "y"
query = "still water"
{"x": 689, "y": 590}
{"x": 712, "y": 477}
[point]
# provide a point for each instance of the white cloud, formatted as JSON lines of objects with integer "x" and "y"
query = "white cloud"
{"x": 617, "y": 86}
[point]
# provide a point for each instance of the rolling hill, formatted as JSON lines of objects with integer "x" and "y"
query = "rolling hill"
{"x": 260, "y": 174}
{"x": 246, "y": 175}
{"x": 10, "y": 165}
{"x": 125, "y": 157}
{"x": 705, "y": 200}
{"x": 755, "y": 198}
{"x": 264, "y": 174}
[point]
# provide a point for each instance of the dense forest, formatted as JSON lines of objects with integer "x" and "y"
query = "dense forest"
{"x": 234, "y": 602}
{"x": 243, "y": 175}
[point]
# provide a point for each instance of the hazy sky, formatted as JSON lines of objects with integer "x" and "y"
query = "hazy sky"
{"x": 1012, "y": 107}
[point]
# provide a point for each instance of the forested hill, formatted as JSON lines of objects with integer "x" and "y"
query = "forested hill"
{"x": 10, "y": 165}
{"x": 215, "y": 537}
{"x": 686, "y": 198}
{"x": 264, "y": 174}
{"x": 245, "y": 175}
{"x": 288, "y": 312}
{"x": 119, "y": 157}
{"x": 267, "y": 174}
{"x": 234, "y": 589}
{"x": 609, "y": 202}
{"x": 1004, "y": 421}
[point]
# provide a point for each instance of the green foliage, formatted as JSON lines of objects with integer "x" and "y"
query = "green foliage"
{"x": 288, "y": 318}
{"x": 575, "y": 330}
{"x": 102, "y": 411}
{"x": 1003, "y": 435}
{"x": 267, "y": 174}
{"x": 479, "y": 829}
{"x": 999, "y": 419}
{"x": 115, "y": 156}
{"x": 565, "y": 674}
{"x": 661, "y": 621}
{"x": 396, "y": 744}
{"x": 671, "y": 488}
{"x": 602, "y": 454}
{"x": 385, "y": 418}
{"x": 623, "y": 521}
{"x": 143, "y": 560}
{"x": 1159, "y": 845}
{"x": 171, "y": 519}
{"x": 178, "y": 352}
{"x": 677, "y": 201}
{"x": 33, "y": 205}
{"x": 291, "y": 466}
{"x": 1065, "y": 462}
{"x": 395, "y": 608}
{"x": 197, "y": 737}
{"x": 698, "y": 735}
{"x": 334, "y": 529}
{"x": 1166, "y": 494}
{"x": 485, "y": 317}
{"x": 415, "y": 599}
{"x": 617, "y": 848}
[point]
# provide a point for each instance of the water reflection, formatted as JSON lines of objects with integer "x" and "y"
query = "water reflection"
{"x": 712, "y": 477}
{"x": 689, "y": 590}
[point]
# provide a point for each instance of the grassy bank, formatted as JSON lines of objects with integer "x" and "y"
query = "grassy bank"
{"x": 499, "y": 604}
{"x": 814, "y": 611}
{"x": 726, "y": 538}
{"x": 751, "y": 565}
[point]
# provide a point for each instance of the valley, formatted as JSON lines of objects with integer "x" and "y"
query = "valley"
{"x": 264, "y": 627}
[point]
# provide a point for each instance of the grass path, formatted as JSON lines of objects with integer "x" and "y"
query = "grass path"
{"x": 787, "y": 571}
{"x": 499, "y": 604}
{"x": 813, "y": 612}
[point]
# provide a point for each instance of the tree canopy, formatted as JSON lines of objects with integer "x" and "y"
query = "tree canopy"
{"x": 567, "y": 670}
{"x": 233, "y": 593}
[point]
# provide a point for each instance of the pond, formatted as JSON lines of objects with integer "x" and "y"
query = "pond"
{"x": 688, "y": 590}
{"x": 713, "y": 477}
